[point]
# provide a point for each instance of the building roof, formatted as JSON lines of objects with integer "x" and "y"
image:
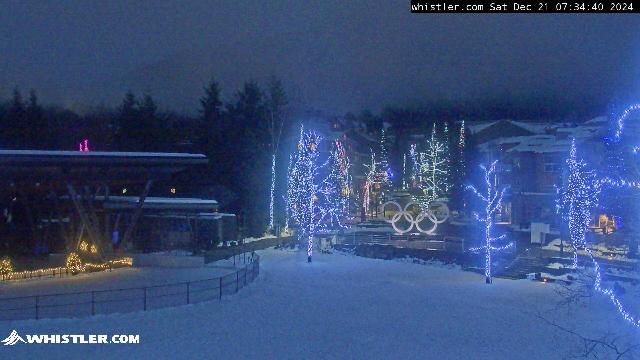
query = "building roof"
{"x": 55, "y": 155}
{"x": 159, "y": 203}
{"x": 205, "y": 216}
{"x": 94, "y": 166}
{"x": 542, "y": 137}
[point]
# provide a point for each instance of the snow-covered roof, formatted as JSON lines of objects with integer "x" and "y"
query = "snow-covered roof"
{"x": 475, "y": 128}
{"x": 163, "y": 200}
{"x": 97, "y": 154}
{"x": 592, "y": 125}
{"x": 548, "y": 138}
{"x": 158, "y": 203}
{"x": 208, "y": 215}
{"x": 534, "y": 127}
{"x": 542, "y": 145}
{"x": 599, "y": 120}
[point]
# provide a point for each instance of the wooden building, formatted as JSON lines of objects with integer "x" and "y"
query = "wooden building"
{"x": 52, "y": 199}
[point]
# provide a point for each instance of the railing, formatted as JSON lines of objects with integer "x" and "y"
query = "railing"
{"x": 424, "y": 242}
{"x": 89, "y": 303}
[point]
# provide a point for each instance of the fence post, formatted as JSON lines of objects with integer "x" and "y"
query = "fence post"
{"x": 37, "y": 315}
{"x": 220, "y": 288}
{"x": 93, "y": 303}
{"x": 145, "y": 299}
{"x": 188, "y": 291}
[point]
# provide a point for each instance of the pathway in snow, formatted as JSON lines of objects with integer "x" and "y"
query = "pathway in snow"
{"x": 341, "y": 307}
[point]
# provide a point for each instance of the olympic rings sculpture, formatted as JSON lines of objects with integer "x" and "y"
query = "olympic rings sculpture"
{"x": 404, "y": 212}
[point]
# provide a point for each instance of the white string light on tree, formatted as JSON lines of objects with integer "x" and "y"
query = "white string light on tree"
{"x": 492, "y": 200}
{"x": 315, "y": 203}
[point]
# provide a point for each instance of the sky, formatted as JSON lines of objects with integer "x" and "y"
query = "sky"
{"x": 333, "y": 56}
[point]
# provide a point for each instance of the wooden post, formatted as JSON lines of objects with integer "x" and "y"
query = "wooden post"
{"x": 197, "y": 233}
{"x": 83, "y": 214}
{"x": 30, "y": 219}
{"x": 63, "y": 231}
{"x": 137, "y": 213}
{"x": 108, "y": 244}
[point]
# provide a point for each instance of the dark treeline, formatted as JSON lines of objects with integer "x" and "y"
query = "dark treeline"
{"x": 135, "y": 125}
{"x": 239, "y": 136}
{"x": 536, "y": 108}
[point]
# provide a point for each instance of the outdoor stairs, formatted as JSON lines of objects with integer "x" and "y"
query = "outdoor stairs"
{"x": 523, "y": 265}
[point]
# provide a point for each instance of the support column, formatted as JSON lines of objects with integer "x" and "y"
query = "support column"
{"x": 136, "y": 214}
{"x": 84, "y": 218}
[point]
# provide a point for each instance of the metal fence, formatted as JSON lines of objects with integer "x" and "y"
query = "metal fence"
{"x": 88, "y": 303}
{"x": 424, "y": 242}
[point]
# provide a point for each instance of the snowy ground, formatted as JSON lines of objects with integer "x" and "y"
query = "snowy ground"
{"x": 343, "y": 307}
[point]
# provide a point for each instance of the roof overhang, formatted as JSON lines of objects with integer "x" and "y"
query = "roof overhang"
{"x": 95, "y": 166}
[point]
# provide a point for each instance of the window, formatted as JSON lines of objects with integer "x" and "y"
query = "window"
{"x": 551, "y": 167}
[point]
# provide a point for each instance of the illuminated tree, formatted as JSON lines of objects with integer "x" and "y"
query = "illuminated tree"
{"x": 434, "y": 167}
{"x": 368, "y": 182}
{"x": 303, "y": 189}
{"x": 276, "y": 106}
{"x": 446, "y": 166}
{"x": 374, "y": 175}
{"x": 459, "y": 170}
{"x": 316, "y": 204}
{"x": 291, "y": 186}
{"x": 384, "y": 157}
{"x": 83, "y": 146}
{"x": 430, "y": 169}
{"x": 404, "y": 171}
{"x": 416, "y": 176}
{"x": 577, "y": 199}
{"x": 491, "y": 198}
{"x": 336, "y": 188}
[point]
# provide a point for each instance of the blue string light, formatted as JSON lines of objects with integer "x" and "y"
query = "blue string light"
{"x": 622, "y": 118}
{"x": 493, "y": 203}
{"x": 577, "y": 200}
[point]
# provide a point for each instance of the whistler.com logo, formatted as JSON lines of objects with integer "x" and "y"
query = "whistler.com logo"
{"x": 15, "y": 338}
